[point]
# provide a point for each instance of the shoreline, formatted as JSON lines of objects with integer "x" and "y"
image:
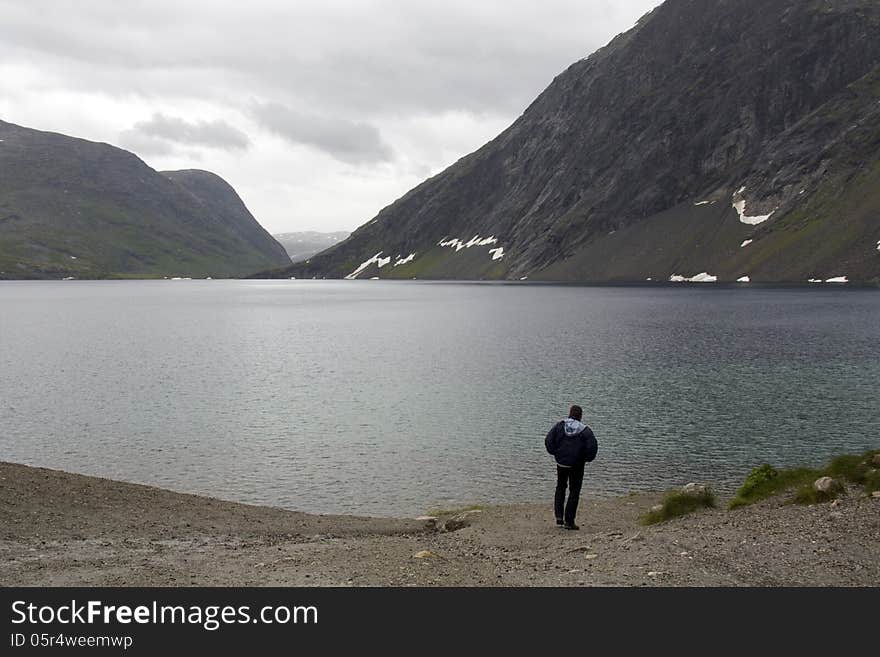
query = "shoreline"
{"x": 686, "y": 284}
{"x": 64, "y": 529}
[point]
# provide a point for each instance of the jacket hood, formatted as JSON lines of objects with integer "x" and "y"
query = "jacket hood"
{"x": 573, "y": 426}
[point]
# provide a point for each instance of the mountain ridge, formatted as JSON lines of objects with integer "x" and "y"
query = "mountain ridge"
{"x": 301, "y": 245}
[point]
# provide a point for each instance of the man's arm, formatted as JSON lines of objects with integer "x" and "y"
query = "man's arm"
{"x": 591, "y": 445}
{"x": 551, "y": 443}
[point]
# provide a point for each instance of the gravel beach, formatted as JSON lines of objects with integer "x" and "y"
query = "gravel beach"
{"x": 62, "y": 529}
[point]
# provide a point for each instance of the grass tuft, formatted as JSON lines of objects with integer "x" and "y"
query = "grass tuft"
{"x": 807, "y": 494}
{"x": 766, "y": 481}
{"x": 677, "y": 503}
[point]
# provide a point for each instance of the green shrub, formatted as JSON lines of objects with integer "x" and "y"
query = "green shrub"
{"x": 677, "y": 503}
{"x": 759, "y": 477}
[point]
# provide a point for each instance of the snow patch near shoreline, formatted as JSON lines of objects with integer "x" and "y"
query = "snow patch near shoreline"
{"x": 702, "y": 277}
{"x": 743, "y": 279}
{"x": 746, "y": 243}
{"x": 498, "y": 253}
{"x": 836, "y": 279}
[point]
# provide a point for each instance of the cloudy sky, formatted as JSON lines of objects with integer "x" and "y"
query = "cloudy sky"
{"x": 318, "y": 112}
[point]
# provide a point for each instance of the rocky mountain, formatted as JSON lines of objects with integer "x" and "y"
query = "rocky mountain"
{"x": 716, "y": 140}
{"x": 70, "y": 207}
{"x": 303, "y": 245}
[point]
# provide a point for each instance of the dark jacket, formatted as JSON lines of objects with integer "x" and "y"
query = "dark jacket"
{"x": 572, "y": 443}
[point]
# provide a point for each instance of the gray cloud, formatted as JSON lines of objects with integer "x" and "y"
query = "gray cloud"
{"x": 410, "y": 85}
{"x": 348, "y": 141}
{"x": 380, "y": 56}
{"x": 161, "y": 133}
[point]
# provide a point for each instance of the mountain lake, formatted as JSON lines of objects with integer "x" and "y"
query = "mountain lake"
{"x": 394, "y": 398}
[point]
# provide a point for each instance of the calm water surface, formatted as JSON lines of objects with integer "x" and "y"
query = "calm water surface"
{"x": 390, "y": 398}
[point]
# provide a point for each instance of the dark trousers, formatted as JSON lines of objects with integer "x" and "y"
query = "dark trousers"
{"x": 572, "y": 478}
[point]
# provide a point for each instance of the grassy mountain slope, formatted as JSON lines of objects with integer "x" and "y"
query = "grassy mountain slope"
{"x": 71, "y": 207}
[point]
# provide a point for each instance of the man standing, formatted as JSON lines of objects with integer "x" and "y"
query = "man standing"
{"x": 573, "y": 444}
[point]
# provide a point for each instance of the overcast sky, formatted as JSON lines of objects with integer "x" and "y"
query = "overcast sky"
{"x": 318, "y": 112}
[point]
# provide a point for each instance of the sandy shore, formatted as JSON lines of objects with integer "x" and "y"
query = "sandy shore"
{"x": 64, "y": 529}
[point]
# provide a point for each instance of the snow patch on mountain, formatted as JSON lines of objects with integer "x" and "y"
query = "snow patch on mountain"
{"x": 740, "y": 207}
{"x": 457, "y": 244}
{"x": 376, "y": 259}
{"x": 476, "y": 240}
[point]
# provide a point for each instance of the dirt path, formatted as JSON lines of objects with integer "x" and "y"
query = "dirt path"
{"x": 63, "y": 529}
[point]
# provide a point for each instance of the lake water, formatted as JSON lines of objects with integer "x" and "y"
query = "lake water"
{"x": 392, "y": 398}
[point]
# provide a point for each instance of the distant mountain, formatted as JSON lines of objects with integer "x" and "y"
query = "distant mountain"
{"x": 70, "y": 207}
{"x": 732, "y": 138}
{"x": 301, "y": 246}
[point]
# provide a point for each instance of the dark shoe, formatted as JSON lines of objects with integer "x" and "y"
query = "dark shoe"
{"x": 572, "y": 527}
{"x": 559, "y": 521}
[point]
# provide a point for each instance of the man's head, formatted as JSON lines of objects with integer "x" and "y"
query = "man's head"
{"x": 576, "y": 413}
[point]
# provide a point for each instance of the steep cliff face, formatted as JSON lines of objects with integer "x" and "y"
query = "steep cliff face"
{"x": 710, "y": 124}
{"x": 71, "y": 207}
